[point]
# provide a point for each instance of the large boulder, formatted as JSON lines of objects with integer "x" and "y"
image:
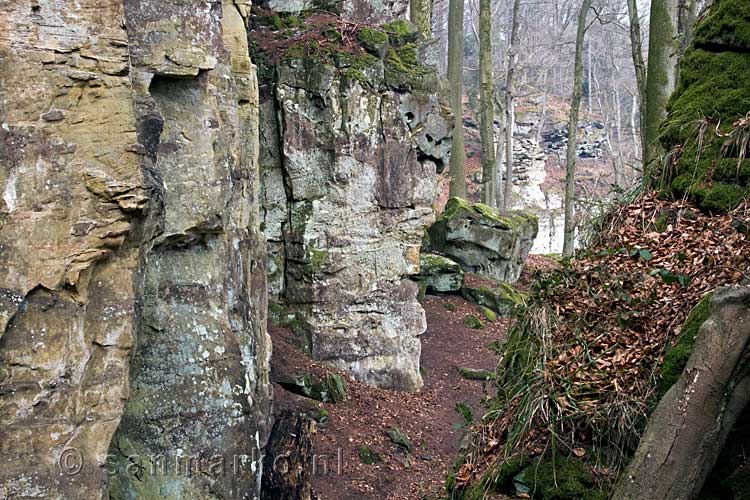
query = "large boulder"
{"x": 482, "y": 240}
{"x": 439, "y": 274}
{"x": 132, "y": 267}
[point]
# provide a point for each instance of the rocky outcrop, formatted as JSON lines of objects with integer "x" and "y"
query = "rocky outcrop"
{"x": 712, "y": 170}
{"x": 483, "y": 241}
{"x": 358, "y": 11}
{"x": 348, "y": 183}
{"x": 132, "y": 267}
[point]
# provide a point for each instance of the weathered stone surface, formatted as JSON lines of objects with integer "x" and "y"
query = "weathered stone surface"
{"x": 73, "y": 198}
{"x": 440, "y": 274}
{"x": 347, "y": 193}
{"x": 482, "y": 240}
{"x": 129, "y": 230}
{"x": 371, "y": 11}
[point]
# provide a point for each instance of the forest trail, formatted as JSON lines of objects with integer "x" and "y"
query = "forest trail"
{"x": 429, "y": 418}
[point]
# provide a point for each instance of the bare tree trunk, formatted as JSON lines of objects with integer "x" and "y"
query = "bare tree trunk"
{"x": 420, "y": 14}
{"x": 288, "y": 464}
{"x": 662, "y": 75}
{"x": 607, "y": 132}
{"x": 487, "y": 87}
{"x": 633, "y": 128}
{"x": 499, "y": 155}
{"x": 542, "y": 116}
{"x": 509, "y": 115}
{"x": 690, "y": 425}
{"x": 636, "y": 42}
{"x": 455, "y": 80}
{"x": 590, "y": 70}
{"x": 575, "y": 105}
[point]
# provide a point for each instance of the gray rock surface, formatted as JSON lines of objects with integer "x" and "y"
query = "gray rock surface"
{"x": 347, "y": 194}
{"x": 132, "y": 267}
{"x": 483, "y": 241}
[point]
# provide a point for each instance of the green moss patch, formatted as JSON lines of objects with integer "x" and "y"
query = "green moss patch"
{"x": 564, "y": 478}
{"x": 713, "y": 96}
{"x": 472, "y": 321}
{"x": 678, "y": 354}
{"x": 727, "y": 26}
{"x": 368, "y": 456}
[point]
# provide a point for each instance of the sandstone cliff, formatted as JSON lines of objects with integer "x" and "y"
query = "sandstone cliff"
{"x": 348, "y": 182}
{"x": 131, "y": 263}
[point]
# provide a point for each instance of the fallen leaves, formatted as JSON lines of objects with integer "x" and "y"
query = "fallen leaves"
{"x": 617, "y": 307}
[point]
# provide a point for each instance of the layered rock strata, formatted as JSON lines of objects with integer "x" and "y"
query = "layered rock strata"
{"x": 132, "y": 269}
{"x": 348, "y": 180}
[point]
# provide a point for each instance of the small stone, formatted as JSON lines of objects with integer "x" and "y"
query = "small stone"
{"x": 398, "y": 438}
{"x": 440, "y": 274}
{"x": 54, "y": 115}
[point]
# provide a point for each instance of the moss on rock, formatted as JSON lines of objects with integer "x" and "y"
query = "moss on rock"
{"x": 502, "y": 299}
{"x": 439, "y": 274}
{"x": 678, "y": 354}
{"x": 472, "y": 321}
{"x": 713, "y": 93}
{"x": 564, "y": 478}
{"x": 726, "y": 26}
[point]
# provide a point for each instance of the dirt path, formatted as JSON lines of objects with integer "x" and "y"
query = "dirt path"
{"x": 429, "y": 418}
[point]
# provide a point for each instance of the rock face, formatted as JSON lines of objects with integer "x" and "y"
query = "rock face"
{"x": 131, "y": 263}
{"x": 348, "y": 180}
{"x": 483, "y": 241}
{"x": 369, "y": 11}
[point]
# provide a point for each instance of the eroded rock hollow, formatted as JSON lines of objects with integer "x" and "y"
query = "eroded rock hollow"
{"x": 132, "y": 267}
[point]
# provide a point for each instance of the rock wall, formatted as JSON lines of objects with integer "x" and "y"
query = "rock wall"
{"x": 348, "y": 182}
{"x": 132, "y": 268}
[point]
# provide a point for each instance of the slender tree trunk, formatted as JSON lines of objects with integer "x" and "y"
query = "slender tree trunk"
{"x": 662, "y": 75}
{"x": 590, "y": 71}
{"x": 636, "y": 48}
{"x": 542, "y": 116}
{"x": 633, "y": 128}
{"x": 486, "y": 87}
{"x": 420, "y": 14}
{"x": 455, "y": 80}
{"x": 575, "y": 105}
{"x": 499, "y": 155}
{"x": 509, "y": 115}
